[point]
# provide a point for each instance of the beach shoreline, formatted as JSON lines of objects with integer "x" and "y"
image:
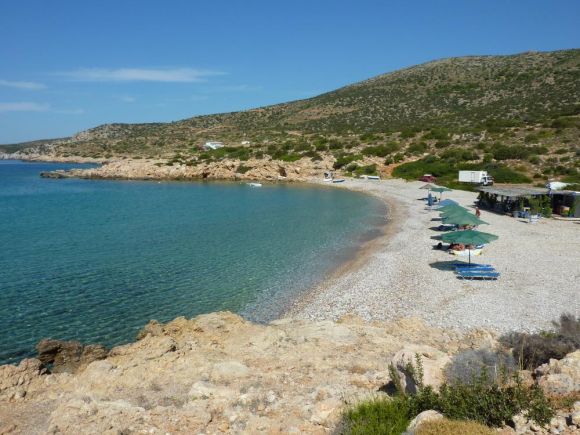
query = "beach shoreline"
{"x": 360, "y": 255}
{"x": 404, "y": 276}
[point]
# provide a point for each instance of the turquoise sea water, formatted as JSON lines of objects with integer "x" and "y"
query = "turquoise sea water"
{"x": 96, "y": 260}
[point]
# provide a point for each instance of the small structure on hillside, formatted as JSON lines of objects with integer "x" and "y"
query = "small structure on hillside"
{"x": 212, "y": 145}
{"x": 246, "y": 142}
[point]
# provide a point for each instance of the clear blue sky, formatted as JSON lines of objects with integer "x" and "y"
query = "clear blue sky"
{"x": 70, "y": 65}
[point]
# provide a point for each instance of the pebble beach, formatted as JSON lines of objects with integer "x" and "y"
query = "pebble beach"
{"x": 400, "y": 274}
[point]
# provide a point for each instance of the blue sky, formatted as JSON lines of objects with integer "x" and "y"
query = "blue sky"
{"x": 70, "y": 65}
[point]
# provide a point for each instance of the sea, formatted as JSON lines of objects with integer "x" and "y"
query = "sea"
{"x": 95, "y": 260}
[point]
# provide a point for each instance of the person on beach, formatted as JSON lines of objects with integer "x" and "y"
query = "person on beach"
{"x": 477, "y": 212}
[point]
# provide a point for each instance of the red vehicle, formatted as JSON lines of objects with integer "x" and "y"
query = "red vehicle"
{"x": 428, "y": 178}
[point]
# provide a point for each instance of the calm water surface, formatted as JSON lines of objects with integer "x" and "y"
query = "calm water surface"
{"x": 96, "y": 260}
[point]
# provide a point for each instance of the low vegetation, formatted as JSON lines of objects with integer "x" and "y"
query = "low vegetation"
{"x": 487, "y": 400}
{"x": 453, "y": 427}
{"x": 532, "y": 350}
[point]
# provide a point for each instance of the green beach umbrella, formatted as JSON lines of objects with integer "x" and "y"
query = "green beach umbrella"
{"x": 440, "y": 190}
{"x": 469, "y": 237}
{"x": 462, "y": 219}
{"x": 428, "y": 186}
{"x": 453, "y": 212}
{"x": 451, "y": 208}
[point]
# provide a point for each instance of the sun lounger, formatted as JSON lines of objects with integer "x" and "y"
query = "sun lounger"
{"x": 469, "y": 265}
{"x": 477, "y": 274}
{"x": 478, "y": 269}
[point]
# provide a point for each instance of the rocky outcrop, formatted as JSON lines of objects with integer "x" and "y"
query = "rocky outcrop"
{"x": 14, "y": 380}
{"x": 68, "y": 356}
{"x": 422, "y": 418}
{"x": 432, "y": 361}
{"x": 215, "y": 373}
{"x": 560, "y": 376}
{"x": 263, "y": 169}
{"x": 218, "y": 373}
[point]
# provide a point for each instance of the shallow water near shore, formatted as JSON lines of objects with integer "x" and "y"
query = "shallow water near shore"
{"x": 94, "y": 261}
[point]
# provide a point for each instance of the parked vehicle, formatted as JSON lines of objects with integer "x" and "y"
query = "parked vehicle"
{"x": 476, "y": 177}
{"x": 428, "y": 178}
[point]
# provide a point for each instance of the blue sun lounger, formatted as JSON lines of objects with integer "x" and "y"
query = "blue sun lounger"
{"x": 475, "y": 269}
{"x": 478, "y": 274}
{"x": 469, "y": 266}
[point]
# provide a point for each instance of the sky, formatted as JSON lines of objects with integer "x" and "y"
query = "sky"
{"x": 66, "y": 66}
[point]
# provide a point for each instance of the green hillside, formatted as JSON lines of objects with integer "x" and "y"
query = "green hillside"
{"x": 520, "y": 111}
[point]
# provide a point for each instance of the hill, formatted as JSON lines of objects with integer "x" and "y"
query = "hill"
{"x": 520, "y": 110}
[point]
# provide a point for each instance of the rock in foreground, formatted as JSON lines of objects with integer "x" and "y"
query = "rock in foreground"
{"x": 218, "y": 373}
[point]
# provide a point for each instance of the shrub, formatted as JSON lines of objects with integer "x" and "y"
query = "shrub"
{"x": 489, "y": 402}
{"x": 379, "y": 416}
{"x": 485, "y": 400}
{"x": 369, "y": 137}
{"x": 366, "y": 170}
{"x": 351, "y": 167}
{"x": 408, "y": 134}
{"x": 314, "y": 156}
{"x": 437, "y": 133}
{"x": 302, "y": 147}
{"x": 345, "y": 159}
{"x": 290, "y": 157}
{"x": 381, "y": 150}
{"x": 414, "y": 170}
{"x": 442, "y": 144}
{"x": 503, "y": 174}
{"x": 471, "y": 364}
{"x": 243, "y": 169}
{"x": 533, "y": 350}
{"x": 417, "y": 148}
{"x": 459, "y": 155}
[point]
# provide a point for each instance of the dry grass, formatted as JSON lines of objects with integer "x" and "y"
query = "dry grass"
{"x": 565, "y": 401}
{"x": 453, "y": 427}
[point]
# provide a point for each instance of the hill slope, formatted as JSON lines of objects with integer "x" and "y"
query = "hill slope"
{"x": 478, "y": 104}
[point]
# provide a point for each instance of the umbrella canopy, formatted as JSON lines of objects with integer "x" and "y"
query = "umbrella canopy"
{"x": 447, "y": 202}
{"x": 440, "y": 189}
{"x": 453, "y": 212}
{"x": 463, "y": 218}
{"x": 428, "y": 186}
{"x": 452, "y": 208}
{"x": 469, "y": 237}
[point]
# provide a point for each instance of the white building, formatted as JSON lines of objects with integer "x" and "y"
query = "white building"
{"x": 245, "y": 142}
{"x": 212, "y": 145}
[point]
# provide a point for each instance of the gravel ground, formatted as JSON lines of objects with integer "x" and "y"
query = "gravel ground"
{"x": 401, "y": 275}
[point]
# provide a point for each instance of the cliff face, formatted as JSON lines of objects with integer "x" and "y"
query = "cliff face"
{"x": 218, "y": 372}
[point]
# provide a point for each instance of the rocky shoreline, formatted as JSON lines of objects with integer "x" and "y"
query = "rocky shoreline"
{"x": 218, "y": 373}
{"x": 252, "y": 170}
